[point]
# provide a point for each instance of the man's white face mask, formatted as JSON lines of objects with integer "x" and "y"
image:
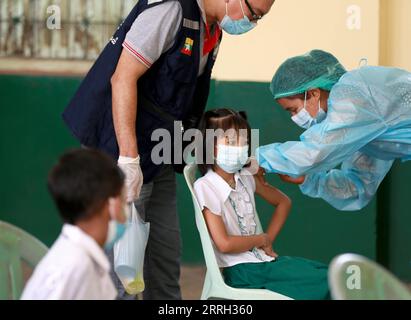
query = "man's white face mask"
{"x": 303, "y": 118}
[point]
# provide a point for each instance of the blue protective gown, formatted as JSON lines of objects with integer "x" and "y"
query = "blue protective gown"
{"x": 368, "y": 126}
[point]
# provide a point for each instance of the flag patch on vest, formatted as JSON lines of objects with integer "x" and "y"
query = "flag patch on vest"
{"x": 188, "y": 47}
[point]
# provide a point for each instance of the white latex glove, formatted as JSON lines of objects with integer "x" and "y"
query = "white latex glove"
{"x": 134, "y": 177}
{"x": 255, "y": 170}
{"x": 253, "y": 167}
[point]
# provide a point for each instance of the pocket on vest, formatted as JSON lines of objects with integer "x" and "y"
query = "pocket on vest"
{"x": 182, "y": 68}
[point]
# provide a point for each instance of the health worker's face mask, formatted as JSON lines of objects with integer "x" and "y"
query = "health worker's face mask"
{"x": 232, "y": 158}
{"x": 236, "y": 27}
{"x": 303, "y": 118}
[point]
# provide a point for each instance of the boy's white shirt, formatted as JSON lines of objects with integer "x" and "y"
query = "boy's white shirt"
{"x": 75, "y": 268}
{"x": 214, "y": 193}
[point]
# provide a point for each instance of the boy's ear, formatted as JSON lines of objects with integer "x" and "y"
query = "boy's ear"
{"x": 243, "y": 115}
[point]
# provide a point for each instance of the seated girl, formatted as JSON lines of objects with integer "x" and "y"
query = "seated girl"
{"x": 226, "y": 196}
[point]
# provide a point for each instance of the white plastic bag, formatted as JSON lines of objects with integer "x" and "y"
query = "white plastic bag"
{"x": 129, "y": 253}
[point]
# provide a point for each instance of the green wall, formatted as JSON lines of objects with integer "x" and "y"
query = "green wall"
{"x": 394, "y": 221}
{"x": 33, "y": 136}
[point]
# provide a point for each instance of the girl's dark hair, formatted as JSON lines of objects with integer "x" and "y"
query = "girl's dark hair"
{"x": 220, "y": 119}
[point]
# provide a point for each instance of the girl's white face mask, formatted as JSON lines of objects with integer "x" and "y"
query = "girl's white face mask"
{"x": 232, "y": 158}
{"x": 303, "y": 118}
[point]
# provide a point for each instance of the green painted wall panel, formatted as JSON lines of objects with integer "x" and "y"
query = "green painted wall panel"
{"x": 396, "y": 220}
{"x": 33, "y": 136}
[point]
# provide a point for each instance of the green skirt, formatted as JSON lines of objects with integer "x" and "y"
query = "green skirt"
{"x": 297, "y": 278}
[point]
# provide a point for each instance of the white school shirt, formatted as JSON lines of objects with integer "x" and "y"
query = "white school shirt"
{"x": 214, "y": 193}
{"x": 75, "y": 268}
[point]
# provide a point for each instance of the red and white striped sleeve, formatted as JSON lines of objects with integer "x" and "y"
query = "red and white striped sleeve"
{"x": 154, "y": 32}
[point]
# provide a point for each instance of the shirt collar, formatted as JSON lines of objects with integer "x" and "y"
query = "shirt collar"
{"x": 222, "y": 186}
{"x": 79, "y": 238}
{"x": 201, "y": 6}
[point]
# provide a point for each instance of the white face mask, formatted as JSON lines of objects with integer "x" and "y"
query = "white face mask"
{"x": 303, "y": 118}
{"x": 232, "y": 158}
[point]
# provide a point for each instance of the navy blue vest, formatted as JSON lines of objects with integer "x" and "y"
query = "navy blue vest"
{"x": 171, "y": 85}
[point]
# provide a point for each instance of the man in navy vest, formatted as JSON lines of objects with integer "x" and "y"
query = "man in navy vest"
{"x": 155, "y": 72}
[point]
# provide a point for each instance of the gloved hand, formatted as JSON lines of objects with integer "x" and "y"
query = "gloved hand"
{"x": 255, "y": 170}
{"x": 253, "y": 166}
{"x": 292, "y": 180}
{"x": 134, "y": 177}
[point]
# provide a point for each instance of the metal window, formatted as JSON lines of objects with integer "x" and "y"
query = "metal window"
{"x": 86, "y": 27}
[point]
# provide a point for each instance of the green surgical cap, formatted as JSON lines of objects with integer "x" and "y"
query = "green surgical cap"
{"x": 316, "y": 69}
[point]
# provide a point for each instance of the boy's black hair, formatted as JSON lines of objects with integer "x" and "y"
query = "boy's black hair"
{"x": 82, "y": 181}
{"x": 224, "y": 119}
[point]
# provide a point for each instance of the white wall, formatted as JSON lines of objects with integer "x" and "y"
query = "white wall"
{"x": 396, "y": 33}
{"x": 297, "y": 26}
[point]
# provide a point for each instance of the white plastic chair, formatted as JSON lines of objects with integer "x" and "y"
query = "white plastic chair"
{"x": 20, "y": 253}
{"x": 374, "y": 282}
{"x": 214, "y": 285}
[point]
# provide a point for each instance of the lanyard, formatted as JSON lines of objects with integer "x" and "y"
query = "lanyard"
{"x": 210, "y": 41}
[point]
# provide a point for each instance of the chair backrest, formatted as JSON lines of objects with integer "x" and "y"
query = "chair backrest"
{"x": 190, "y": 174}
{"x": 19, "y": 254}
{"x": 353, "y": 277}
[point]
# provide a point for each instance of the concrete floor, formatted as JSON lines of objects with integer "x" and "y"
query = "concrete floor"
{"x": 192, "y": 280}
